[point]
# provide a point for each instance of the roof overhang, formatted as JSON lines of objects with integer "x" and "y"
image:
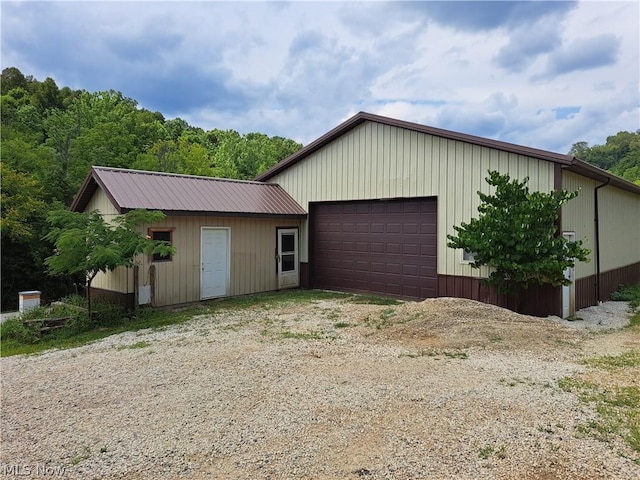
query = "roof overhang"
{"x": 565, "y": 161}
{"x": 590, "y": 171}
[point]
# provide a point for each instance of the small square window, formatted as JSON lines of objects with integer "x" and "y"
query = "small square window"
{"x": 468, "y": 257}
{"x": 288, "y": 242}
{"x": 163, "y": 236}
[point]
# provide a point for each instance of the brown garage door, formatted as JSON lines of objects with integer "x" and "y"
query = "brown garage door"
{"x": 383, "y": 247}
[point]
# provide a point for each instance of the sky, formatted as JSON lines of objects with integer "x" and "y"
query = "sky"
{"x": 540, "y": 74}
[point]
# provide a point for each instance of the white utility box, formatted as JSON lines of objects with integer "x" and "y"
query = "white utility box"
{"x": 28, "y": 300}
{"x": 144, "y": 294}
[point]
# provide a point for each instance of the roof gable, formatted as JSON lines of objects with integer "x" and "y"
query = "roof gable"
{"x": 565, "y": 161}
{"x": 176, "y": 194}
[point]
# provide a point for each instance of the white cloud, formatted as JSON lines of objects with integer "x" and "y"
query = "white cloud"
{"x": 297, "y": 69}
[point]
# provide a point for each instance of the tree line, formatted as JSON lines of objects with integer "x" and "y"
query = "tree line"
{"x": 620, "y": 155}
{"x": 52, "y": 136}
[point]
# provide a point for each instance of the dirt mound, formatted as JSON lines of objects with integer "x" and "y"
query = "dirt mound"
{"x": 461, "y": 323}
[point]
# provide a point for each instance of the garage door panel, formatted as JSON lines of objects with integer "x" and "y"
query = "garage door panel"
{"x": 384, "y": 247}
{"x": 428, "y": 228}
{"x": 377, "y": 247}
{"x": 362, "y": 247}
{"x": 411, "y": 249}
{"x": 410, "y": 291}
{"x": 428, "y": 250}
{"x": 377, "y": 227}
{"x": 394, "y": 248}
{"x": 427, "y": 272}
{"x": 411, "y": 270}
{"x": 410, "y": 228}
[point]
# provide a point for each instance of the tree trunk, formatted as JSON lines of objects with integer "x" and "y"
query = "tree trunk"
{"x": 89, "y": 280}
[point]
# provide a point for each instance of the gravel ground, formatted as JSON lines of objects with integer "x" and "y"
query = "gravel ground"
{"x": 607, "y": 315}
{"x": 445, "y": 388}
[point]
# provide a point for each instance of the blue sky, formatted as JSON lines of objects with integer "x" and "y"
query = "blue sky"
{"x": 541, "y": 74}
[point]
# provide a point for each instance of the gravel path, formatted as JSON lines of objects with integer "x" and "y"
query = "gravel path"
{"x": 437, "y": 389}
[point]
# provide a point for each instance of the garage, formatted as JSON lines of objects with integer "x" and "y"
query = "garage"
{"x": 385, "y": 247}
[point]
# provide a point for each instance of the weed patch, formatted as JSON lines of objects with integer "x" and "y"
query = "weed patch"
{"x": 457, "y": 354}
{"x": 612, "y": 362}
{"x": 489, "y": 451}
{"x": 373, "y": 300}
{"x": 141, "y": 344}
{"x": 617, "y": 404}
{"x": 342, "y": 325}
{"x": 629, "y": 294}
{"x": 288, "y": 334}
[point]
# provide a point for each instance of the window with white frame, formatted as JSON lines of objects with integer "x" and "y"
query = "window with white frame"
{"x": 467, "y": 256}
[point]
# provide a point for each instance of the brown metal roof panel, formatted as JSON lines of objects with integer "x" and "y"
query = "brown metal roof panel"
{"x": 130, "y": 189}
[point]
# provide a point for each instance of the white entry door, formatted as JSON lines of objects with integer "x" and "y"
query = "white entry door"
{"x": 287, "y": 258}
{"x": 568, "y": 291}
{"x": 215, "y": 265}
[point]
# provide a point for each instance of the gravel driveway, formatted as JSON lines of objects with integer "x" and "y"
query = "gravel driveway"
{"x": 323, "y": 390}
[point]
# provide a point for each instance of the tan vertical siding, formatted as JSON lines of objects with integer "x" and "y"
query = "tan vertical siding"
{"x": 121, "y": 280}
{"x": 578, "y": 216}
{"x": 252, "y": 267}
{"x": 397, "y": 163}
{"x": 619, "y": 228}
{"x": 101, "y": 202}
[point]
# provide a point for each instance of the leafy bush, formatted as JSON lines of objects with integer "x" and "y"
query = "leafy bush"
{"x": 629, "y": 294}
{"x": 15, "y": 328}
{"x": 73, "y": 307}
{"x": 107, "y": 313}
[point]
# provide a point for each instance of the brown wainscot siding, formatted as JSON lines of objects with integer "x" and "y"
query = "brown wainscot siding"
{"x": 304, "y": 275}
{"x": 128, "y": 300}
{"x": 539, "y": 301}
{"x": 585, "y": 292}
{"x": 610, "y": 281}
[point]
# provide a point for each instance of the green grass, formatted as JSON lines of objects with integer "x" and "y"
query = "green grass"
{"x": 16, "y": 339}
{"x": 616, "y": 402}
{"x": 613, "y": 362}
{"x": 617, "y": 405}
{"x": 490, "y": 451}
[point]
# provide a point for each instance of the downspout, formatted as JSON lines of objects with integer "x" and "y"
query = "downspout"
{"x": 597, "y": 227}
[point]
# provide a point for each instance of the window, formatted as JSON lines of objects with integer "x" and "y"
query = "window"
{"x": 467, "y": 257}
{"x": 163, "y": 236}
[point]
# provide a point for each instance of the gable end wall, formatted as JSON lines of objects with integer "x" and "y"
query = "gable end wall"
{"x": 377, "y": 161}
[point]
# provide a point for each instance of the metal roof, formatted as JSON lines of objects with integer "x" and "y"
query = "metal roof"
{"x": 565, "y": 161}
{"x": 176, "y": 194}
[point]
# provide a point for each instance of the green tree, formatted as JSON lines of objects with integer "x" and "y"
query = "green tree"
{"x": 620, "y": 155}
{"x": 11, "y": 78}
{"x": 516, "y": 236}
{"x": 22, "y": 226}
{"x": 21, "y": 204}
{"x": 86, "y": 244}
